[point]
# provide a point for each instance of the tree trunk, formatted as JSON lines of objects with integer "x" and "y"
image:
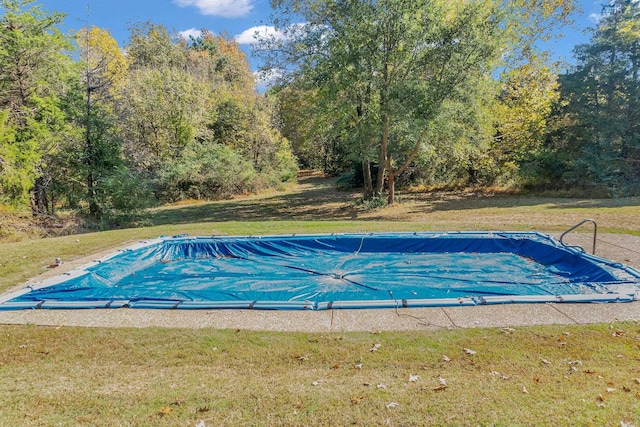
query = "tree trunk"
{"x": 94, "y": 209}
{"x": 382, "y": 167}
{"x": 391, "y": 197}
{"x": 39, "y": 201}
{"x": 368, "y": 182}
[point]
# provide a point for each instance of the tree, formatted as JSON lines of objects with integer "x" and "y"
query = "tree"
{"x": 521, "y": 114}
{"x": 198, "y": 111}
{"x": 105, "y": 68}
{"x": 316, "y": 136}
{"x": 602, "y": 96}
{"x": 150, "y": 45}
{"x": 34, "y": 73}
{"x": 389, "y": 66}
{"x": 163, "y": 111}
{"x": 386, "y": 68}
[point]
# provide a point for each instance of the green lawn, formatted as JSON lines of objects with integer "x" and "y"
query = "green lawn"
{"x": 560, "y": 375}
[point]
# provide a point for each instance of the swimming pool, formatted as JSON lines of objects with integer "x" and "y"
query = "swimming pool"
{"x": 336, "y": 271}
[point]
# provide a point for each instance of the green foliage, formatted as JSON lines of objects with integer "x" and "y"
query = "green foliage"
{"x": 372, "y": 203}
{"x": 151, "y": 45}
{"x": 319, "y": 135}
{"x": 33, "y": 73}
{"x": 93, "y": 134}
{"x": 521, "y": 113}
{"x": 123, "y": 198}
{"x": 346, "y": 181}
{"x": 160, "y": 111}
{"x": 207, "y": 171}
{"x": 19, "y": 160}
{"x": 598, "y": 132}
{"x": 380, "y": 74}
{"x": 199, "y": 129}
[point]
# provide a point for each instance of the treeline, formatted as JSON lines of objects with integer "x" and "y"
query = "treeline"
{"x": 443, "y": 93}
{"x": 458, "y": 93}
{"x": 109, "y": 130}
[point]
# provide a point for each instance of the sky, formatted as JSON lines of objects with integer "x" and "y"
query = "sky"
{"x": 237, "y": 18}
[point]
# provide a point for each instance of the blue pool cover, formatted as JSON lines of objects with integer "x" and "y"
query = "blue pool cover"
{"x": 316, "y": 272}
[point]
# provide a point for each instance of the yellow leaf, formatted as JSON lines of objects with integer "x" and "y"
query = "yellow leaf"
{"x": 357, "y": 399}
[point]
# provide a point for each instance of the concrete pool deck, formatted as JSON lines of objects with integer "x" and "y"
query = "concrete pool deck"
{"x": 622, "y": 248}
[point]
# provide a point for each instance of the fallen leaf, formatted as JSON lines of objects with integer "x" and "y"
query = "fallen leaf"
{"x": 165, "y": 410}
{"x": 626, "y": 389}
{"x": 442, "y": 381}
{"x": 392, "y": 405}
{"x": 381, "y": 386}
{"x": 589, "y": 371}
{"x": 336, "y": 366}
{"x": 358, "y": 366}
{"x": 203, "y": 409}
{"x": 536, "y": 379}
{"x": 469, "y": 351}
{"x": 375, "y": 347}
{"x": 201, "y": 424}
{"x": 524, "y": 390}
{"x": 618, "y": 333}
{"x": 315, "y": 383}
{"x": 610, "y": 389}
{"x": 545, "y": 361}
{"x": 413, "y": 378}
{"x": 637, "y": 380}
{"x": 575, "y": 362}
{"x": 611, "y": 383}
{"x": 601, "y": 398}
{"x": 303, "y": 358}
{"x": 356, "y": 400}
{"x": 441, "y": 387}
{"x": 445, "y": 358}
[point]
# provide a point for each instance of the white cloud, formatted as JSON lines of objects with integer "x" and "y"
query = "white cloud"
{"x": 224, "y": 8}
{"x": 595, "y": 17}
{"x": 191, "y": 32}
{"x": 263, "y": 31}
